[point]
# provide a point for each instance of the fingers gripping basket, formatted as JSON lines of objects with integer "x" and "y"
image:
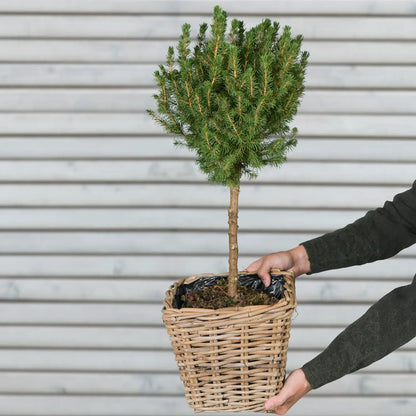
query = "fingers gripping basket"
{"x": 231, "y": 359}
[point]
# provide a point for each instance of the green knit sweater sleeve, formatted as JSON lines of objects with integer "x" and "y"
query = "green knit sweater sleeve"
{"x": 380, "y": 234}
{"x": 389, "y": 323}
{"x": 386, "y": 326}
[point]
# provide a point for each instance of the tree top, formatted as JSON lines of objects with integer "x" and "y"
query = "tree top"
{"x": 231, "y": 97}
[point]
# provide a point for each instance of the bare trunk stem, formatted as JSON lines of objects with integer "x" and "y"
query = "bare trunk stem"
{"x": 232, "y": 239}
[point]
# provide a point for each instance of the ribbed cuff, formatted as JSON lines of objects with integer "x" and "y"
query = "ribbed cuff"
{"x": 316, "y": 250}
{"x": 313, "y": 375}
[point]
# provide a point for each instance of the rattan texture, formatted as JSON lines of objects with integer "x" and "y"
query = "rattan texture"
{"x": 231, "y": 359}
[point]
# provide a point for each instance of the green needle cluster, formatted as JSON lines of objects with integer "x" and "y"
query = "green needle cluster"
{"x": 232, "y": 98}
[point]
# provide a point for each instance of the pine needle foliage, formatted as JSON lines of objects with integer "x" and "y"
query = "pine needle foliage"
{"x": 232, "y": 98}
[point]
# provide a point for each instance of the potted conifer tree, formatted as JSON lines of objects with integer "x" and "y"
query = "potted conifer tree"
{"x": 231, "y": 100}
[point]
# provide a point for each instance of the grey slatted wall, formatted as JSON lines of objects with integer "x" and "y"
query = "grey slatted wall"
{"x": 99, "y": 213}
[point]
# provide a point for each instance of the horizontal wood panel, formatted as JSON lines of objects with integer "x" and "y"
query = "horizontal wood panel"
{"x": 62, "y": 314}
{"x": 333, "y": 289}
{"x": 101, "y": 384}
{"x": 53, "y": 313}
{"x": 78, "y": 123}
{"x": 38, "y": 405}
{"x": 102, "y": 75}
{"x": 96, "y": 361}
{"x": 349, "y": 291}
{"x": 140, "y": 242}
{"x": 131, "y": 219}
{"x": 359, "y": 102}
{"x": 161, "y": 147}
{"x": 354, "y": 149}
{"x": 151, "y": 51}
{"x": 133, "y": 99}
{"x": 75, "y": 313}
{"x": 27, "y": 405}
{"x": 165, "y": 267}
{"x": 141, "y": 75}
{"x": 112, "y": 124}
{"x": 213, "y": 196}
{"x": 360, "y": 76}
{"x": 170, "y": 384}
{"x": 107, "y": 266}
{"x": 320, "y": 338}
{"x": 187, "y": 171}
{"x": 396, "y": 268}
{"x": 301, "y": 7}
{"x": 62, "y": 290}
{"x": 90, "y": 26}
{"x": 77, "y": 100}
{"x": 116, "y": 361}
{"x": 132, "y": 338}
{"x": 83, "y": 337}
{"x": 148, "y": 243}
{"x": 371, "y": 384}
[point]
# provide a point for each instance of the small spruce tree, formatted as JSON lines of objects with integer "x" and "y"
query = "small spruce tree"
{"x": 231, "y": 101}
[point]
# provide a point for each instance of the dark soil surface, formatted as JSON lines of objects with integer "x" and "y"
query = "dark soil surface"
{"x": 216, "y": 297}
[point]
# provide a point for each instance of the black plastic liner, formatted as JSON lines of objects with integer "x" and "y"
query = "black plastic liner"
{"x": 275, "y": 289}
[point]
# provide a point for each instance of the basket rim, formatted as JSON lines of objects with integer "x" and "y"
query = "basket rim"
{"x": 288, "y": 301}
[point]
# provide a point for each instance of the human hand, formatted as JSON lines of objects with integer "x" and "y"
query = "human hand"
{"x": 294, "y": 388}
{"x": 295, "y": 260}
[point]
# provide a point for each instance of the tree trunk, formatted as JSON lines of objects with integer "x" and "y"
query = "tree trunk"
{"x": 232, "y": 239}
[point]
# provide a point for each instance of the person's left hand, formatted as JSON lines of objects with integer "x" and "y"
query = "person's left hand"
{"x": 294, "y": 388}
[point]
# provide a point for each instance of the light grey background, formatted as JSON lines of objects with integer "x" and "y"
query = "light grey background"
{"x": 99, "y": 213}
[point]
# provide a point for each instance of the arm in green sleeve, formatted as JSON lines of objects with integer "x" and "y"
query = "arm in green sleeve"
{"x": 389, "y": 323}
{"x": 380, "y": 234}
{"x": 386, "y": 326}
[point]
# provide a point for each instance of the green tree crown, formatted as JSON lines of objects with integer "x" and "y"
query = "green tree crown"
{"x": 232, "y": 99}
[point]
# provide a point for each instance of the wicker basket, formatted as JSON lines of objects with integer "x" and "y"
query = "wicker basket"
{"x": 231, "y": 359}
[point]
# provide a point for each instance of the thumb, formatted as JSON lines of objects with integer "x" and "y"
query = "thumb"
{"x": 265, "y": 277}
{"x": 264, "y": 273}
{"x": 262, "y": 269}
{"x": 276, "y": 403}
{"x": 272, "y": 403}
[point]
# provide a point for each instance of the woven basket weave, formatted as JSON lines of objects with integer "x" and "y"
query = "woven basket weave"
{"x": 231, "y": 359}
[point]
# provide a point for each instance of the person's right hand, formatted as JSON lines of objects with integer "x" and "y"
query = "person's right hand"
{"x": 295, "y": 260}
